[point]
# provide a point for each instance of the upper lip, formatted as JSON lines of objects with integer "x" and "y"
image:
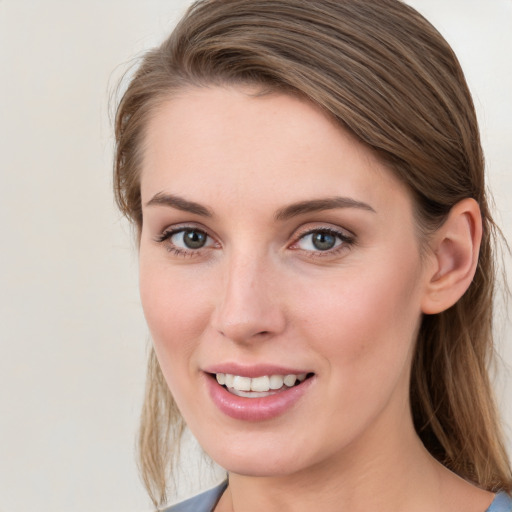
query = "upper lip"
{"x": 252, "y": 371}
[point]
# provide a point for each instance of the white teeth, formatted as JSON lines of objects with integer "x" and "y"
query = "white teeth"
{"x": 258, "y": 385}
{"x": 242, "y": 383}
{"x": 251, "y": 394}
{"x": 276, "y": 382}
{"x": 289, "y": 380}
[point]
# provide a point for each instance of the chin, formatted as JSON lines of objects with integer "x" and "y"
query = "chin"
{"x": 258, "y": 466}
{"x": 262, "y": 458}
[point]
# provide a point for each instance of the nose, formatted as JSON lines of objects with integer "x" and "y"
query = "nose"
{"x": 248, "y": 307}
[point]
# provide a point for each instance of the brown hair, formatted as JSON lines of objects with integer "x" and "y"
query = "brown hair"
{"x": 386, "y": 75}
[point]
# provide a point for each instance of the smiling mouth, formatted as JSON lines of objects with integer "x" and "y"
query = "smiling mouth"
{"x": 259, "y": 387}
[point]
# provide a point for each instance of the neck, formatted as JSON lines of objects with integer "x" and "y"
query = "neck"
{"x": 368, "y": 475}
{"x": 386, "y": 468}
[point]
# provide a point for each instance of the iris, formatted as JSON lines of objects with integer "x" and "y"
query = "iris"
{"x": 323, "y": 241}
{"x": 194, "y": 239}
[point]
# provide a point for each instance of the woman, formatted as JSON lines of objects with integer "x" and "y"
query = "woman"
{"x": 316, "y": 265}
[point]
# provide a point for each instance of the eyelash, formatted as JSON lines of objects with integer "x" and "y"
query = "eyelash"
{"x": 346, "y": 241}
{"x": 178, "y": 251}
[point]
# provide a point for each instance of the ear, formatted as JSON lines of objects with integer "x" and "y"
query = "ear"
{"x": 452, "y": 263}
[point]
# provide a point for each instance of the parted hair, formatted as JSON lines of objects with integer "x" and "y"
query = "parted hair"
{"x": 385, "y": 74}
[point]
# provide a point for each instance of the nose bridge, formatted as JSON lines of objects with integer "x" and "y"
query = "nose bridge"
{"x": 247, "y": 304}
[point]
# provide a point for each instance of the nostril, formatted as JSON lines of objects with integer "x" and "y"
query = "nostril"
{"x": 257, "y": 334}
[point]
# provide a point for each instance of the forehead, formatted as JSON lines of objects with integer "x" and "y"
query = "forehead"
{"x": 231, "y": 142}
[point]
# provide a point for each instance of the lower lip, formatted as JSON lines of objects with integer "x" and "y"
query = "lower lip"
{"x": 255, "y": 409}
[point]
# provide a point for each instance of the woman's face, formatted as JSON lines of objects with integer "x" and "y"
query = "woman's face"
{"x": 274, "y": 244}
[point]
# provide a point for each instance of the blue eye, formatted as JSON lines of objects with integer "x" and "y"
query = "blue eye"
{"x": 185, "y": 240}
{"x": 321, "y": 240}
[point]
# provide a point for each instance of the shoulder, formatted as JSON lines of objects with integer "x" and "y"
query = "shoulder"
{"x": 502, "y": 503}
{"x": 204, "y": 502}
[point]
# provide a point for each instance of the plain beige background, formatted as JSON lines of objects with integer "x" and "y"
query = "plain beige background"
{"x": 73, "y": 338}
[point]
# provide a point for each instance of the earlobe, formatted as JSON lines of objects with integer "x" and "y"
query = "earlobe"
{"x": 455, "y": 247}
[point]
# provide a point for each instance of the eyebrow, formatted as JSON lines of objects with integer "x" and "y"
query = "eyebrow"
{"x": 292, "y": 210}
{"x": 179, "y": 203}
{"x": 316, "y": 205}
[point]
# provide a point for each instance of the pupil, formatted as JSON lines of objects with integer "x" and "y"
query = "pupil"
{"x": 194, "y": 239}
{"x": 324, "y": 241}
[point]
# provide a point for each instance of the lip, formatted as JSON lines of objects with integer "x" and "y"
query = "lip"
{"x": 253, "y": 371}
{"x": 255, "y": 409}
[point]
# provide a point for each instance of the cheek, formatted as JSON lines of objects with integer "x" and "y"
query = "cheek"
{"x": 365, "y": 316}
{"x": 365, "y": 328}
{"x": 176, "y": 309}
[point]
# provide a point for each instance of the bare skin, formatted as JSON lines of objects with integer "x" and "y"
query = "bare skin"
{"x": 228, "y": 169}
{"x": 436, "y": 489}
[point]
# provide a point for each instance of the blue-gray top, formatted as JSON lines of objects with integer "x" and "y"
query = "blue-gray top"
{"x": 206, "y": 501}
